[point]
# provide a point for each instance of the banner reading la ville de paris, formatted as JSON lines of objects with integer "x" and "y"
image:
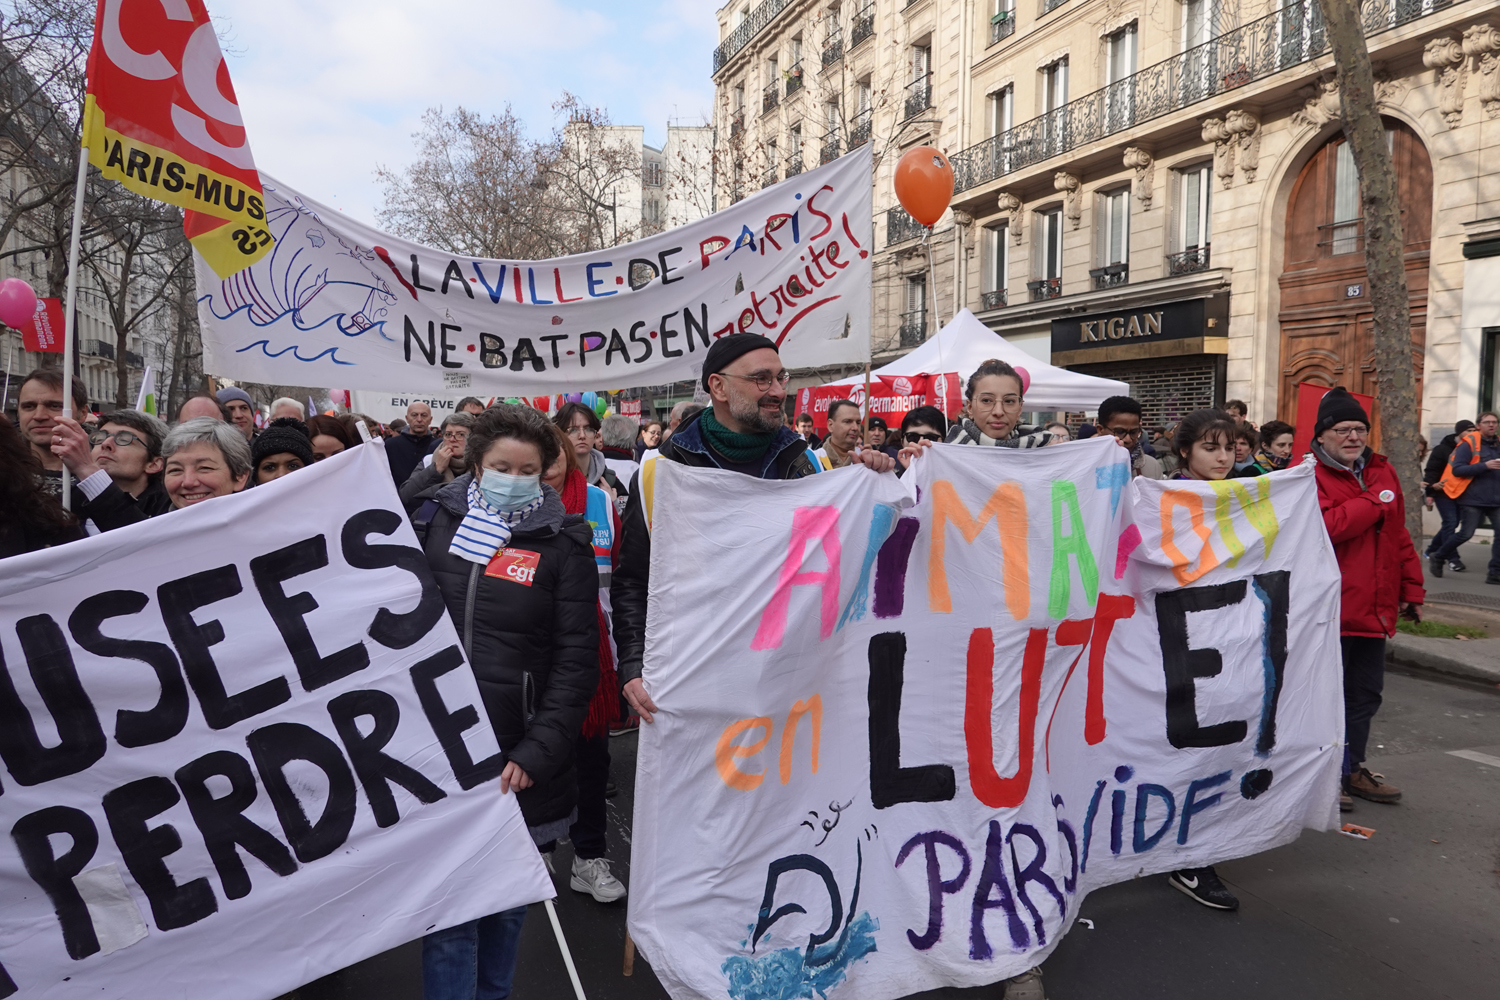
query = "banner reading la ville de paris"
{"x": 339, "y": 303}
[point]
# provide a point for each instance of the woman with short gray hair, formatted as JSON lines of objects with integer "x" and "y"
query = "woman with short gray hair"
{"x": 205, "y": 458}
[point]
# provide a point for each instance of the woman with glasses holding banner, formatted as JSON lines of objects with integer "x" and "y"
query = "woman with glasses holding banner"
{"x": 992, "y": 414}
{"x": 517, "y": 572}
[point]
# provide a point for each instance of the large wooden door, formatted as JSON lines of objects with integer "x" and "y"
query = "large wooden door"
{"x": 1326, "y": 334}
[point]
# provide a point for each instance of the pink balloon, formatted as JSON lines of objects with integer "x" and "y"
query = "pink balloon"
{"x": 1025, "y": 379}
{"x": 17, "y": 302}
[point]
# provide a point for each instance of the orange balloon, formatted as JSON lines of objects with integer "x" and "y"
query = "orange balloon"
{"x": 924, "y": 184}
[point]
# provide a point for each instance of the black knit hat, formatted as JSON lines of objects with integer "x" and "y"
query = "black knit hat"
{"x": 1335, "y": 407}
{"x": 1463, "y": 425}
{"x": 286, "y": 434}
{"x": 726, "y": 349}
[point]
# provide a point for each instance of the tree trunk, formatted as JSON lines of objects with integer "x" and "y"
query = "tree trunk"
{"x": 1385, "y": 264}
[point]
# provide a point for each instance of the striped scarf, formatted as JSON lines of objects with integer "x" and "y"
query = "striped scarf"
{"x": 966, "y": 431}
{"x": 485, "y": 529}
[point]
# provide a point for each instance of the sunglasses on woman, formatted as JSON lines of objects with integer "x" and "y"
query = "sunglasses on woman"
{"x": 915, "y": 437}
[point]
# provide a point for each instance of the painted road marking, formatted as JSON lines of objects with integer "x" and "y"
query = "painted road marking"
{"x": 1476, "y": 757}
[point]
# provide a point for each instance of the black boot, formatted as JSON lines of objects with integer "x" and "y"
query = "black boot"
{"x": 1435, "y": 566}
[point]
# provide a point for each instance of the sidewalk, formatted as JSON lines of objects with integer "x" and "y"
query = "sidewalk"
{"x": 1471, "y": 660}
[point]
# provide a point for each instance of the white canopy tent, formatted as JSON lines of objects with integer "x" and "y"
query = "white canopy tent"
{"x": 964, "y": 343}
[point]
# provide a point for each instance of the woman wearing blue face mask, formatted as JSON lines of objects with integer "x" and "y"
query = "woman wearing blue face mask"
{"x": 518, "y": 575}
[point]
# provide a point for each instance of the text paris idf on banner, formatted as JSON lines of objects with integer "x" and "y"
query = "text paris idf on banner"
{"x": 942, "y": 725}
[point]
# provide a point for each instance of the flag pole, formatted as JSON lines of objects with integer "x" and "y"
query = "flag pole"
{"x": 10, "y": 360}
{"x": 69, "y": 325}
{"x": 140, "y": 397}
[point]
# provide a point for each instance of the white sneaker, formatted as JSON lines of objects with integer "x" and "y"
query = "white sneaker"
{"x": 593, "y": 877}
{"x": 1026, "y": 986}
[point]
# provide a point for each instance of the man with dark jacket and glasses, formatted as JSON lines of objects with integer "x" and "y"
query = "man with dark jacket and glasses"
{"x": 744, "y": 431}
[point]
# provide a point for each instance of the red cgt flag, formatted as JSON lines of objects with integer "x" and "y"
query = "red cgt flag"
{"x": 161, "y": 118}
{"x": 45, "y": 330}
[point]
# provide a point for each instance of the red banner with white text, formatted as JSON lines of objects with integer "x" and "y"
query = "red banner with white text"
{"x": 892, "y": 397}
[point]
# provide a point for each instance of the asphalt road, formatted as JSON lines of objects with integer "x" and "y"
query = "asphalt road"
{"x": 1411, "y": 914}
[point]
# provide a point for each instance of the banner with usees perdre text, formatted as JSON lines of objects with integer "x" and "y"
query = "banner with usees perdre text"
{"x": 917, "y": 735}
{"x": 242, "y": 750}
{"x": 339, "y": 303}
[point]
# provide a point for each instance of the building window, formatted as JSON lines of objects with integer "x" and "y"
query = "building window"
{"x": 1002, "y": 20}
{"x": 1345, "y": 202}
{"x": 1112, "y": 230}
{"x": 1000, "y": 110}
{"x": 859, "y": 125}
{"x": 996, "y": 276}
{"x": 794, "y": 150}
{"x": 1489, "y": 368}
{"x": 1194, "y": 210}
{"x": 1054, "y": 94}
{"x": 919, "y": 90}
{"x": 914, "y": 318}
{"x": 1119, "y": 66}
{"x": 1047, "y": 255}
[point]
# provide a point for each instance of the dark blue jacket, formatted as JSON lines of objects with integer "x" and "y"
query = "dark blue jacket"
{"x": 1484, "y": 484}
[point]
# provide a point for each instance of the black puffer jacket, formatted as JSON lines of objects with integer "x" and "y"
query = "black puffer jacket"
{"x": 787, "y": 458}
{"x": 534, "y": 648}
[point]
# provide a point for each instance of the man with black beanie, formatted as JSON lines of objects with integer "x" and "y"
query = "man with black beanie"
{"x": 743, "y": 431}
{"x": 1360, "y": 495}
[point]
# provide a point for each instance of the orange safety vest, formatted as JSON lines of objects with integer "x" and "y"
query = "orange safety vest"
{"x": 1452, "y": 483}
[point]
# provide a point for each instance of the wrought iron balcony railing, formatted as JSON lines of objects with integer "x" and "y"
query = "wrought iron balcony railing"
{"x": 134, "y": 360}
{"x": 769, "y": 177}
{"x": 737, "y": 193}
{"x": 794, "y": 79}
{"x": 1188, "y": 262}
{"x": 1110, "y": 275}
{"x": 1044, "y": 288}
{"x": 900, "y": 227}
{"x": 1282, "y": 39}
{"x": 918, "y": 97}
{"x": 794, "y": 165}
{"x": 99, "y": 348}
{"x": 993, "y": 300}
{"x": 737, "y": 124}
{"x": 748, "y": 29}
{"x": 1002, "y": 25}
{"x": 1050, "y": 5}
{"x": 859, "y": 129}
{"x": 913, "y": 327}
{"x": 863, "y": 25}
{"x": 833, "y": 50}
{"x": 830, "y": 150}
{"x": 770, "y": 97}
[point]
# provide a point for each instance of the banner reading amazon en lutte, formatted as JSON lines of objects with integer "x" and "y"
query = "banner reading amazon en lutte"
{"x": 340, "y": 303}
{"x": 921, "y": 734}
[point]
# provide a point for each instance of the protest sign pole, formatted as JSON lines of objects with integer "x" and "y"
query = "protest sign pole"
{"x": 69, "y": 323}
{"x": 10, "y": 360}
{"x": 562, "y": 945}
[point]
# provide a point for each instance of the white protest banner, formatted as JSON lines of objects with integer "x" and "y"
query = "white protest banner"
{"x": 339, "y": 303}
{"x": 243, "y": 750}
{"x": 913, "y": 740}
{"x": 388, "y": 406}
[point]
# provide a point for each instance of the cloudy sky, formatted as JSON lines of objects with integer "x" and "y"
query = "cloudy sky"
{"x": 331, "y": 89}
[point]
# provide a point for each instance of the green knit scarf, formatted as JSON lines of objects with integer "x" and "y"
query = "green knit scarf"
{"x": 737, "y": 448}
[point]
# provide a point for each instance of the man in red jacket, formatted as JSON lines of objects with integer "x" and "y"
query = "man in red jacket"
{"x": 1360, "y": 496}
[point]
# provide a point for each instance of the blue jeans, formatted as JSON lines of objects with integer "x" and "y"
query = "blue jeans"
{"x": 1448, "y": 510}
{"x": 1468, "y": 522}
{"x": 473, "y": 961}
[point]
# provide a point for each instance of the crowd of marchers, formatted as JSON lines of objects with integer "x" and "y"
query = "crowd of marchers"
{"x": 556, "y": 643}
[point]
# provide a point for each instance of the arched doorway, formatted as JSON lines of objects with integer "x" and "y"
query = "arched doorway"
{"x": 1326, "y": 333}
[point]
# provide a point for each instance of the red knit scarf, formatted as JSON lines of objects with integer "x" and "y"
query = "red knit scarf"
{"x": 604, "y": 706}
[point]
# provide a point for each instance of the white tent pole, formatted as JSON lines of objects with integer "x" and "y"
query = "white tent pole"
{"x": 562, "y": 945}
{"x": 69, "y": 326}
